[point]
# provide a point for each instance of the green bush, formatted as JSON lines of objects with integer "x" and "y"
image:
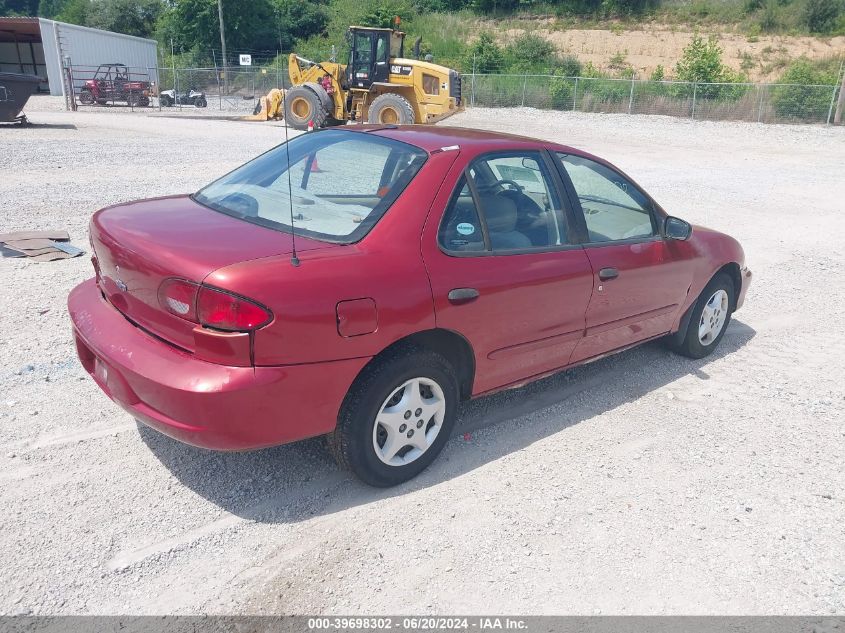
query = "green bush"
{"x": 627, "y": 7}
{"x": 383, "y": 14}
{"x": 821, "y": 16}
{"x": 701, "y": 63}
{"x": 810, "y": 99}
{"x": 530, "y": 52}
{"x": 769, "y": 19}
{"x": 494, "y": 6}
{"x": 485, "y": 56}
{"x": 658, "y": 74}
{"x": 605, "y": 90}
{"x": 561, "y": 91}
{"x": 620, "y": 65}
{"x": 567, "y": 66}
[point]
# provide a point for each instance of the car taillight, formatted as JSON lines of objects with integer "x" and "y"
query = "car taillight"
{"x": 211, "y": 307}
{"x": 223, "y": 311}
{"x": 179, "y": 297}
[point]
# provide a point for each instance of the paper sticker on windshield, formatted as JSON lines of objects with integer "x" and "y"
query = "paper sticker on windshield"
{"x": 465, "y": 228}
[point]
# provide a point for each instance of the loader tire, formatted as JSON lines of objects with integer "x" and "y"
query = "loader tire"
{"x": 302, "y": 106}
{"x": 391, "y": 109}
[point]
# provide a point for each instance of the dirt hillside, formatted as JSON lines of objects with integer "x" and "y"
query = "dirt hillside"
{"x": 761, "y": 58}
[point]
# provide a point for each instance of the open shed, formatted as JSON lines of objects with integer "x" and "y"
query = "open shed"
{"x": 37, "y": 46}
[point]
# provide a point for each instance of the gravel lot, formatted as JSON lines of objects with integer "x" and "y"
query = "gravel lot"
{"x": 644, "y": 483}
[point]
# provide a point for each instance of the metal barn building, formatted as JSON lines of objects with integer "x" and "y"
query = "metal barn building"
{"x": 37, "y": 46}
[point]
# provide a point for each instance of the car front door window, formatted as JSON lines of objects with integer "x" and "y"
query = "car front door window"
{"x": 614, "y": 208}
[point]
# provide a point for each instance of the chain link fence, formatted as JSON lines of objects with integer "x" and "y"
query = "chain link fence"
{"x": 762, "y": 103}
{"x": 238, "y": 90}
{"x": 235, "y": 89}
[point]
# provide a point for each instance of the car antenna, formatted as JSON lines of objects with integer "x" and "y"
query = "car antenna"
{"x": 294, "y": 260}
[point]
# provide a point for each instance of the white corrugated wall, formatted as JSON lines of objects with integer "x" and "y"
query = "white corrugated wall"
{"x": 92, "y": 47}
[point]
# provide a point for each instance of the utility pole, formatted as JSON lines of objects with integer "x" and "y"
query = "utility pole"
{"x": 223, "y": 45}
{"x": 840, "y": 104}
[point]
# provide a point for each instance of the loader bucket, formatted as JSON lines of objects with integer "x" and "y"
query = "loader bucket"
{"x": 269, "y": 107}
{"x": 260, "y": 112}
{"x": 15, "y": 91}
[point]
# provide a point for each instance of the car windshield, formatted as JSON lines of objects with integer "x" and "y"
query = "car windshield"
{"x": 338, "y": 186}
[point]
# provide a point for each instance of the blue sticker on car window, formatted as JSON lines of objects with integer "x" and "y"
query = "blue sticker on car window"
{"x": 465, "y": 228}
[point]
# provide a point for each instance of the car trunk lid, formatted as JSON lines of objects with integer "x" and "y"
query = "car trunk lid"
{"x": 140, "y": 244}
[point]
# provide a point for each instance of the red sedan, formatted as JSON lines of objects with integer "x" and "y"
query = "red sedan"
{"x": 359, "y": 282}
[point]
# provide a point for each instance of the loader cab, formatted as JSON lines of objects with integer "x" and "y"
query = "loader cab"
{"x": 370, "y": 52}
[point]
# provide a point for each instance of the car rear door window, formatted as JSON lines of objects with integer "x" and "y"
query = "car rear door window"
{"x": 505, "y": 203}
{"x": 614, "y": 208}
{"x": 461, "y": 228}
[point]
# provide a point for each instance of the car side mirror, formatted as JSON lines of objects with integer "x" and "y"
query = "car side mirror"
{"x": 677, "y": 229}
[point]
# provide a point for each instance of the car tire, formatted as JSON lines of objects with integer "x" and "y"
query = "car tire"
{"x": 165, "y": 101}
{"x": 86, "y": 97}
{"x": 383, "y": 445}
{"x": 133, "y": 100}
{"x": 302, "y": 105}
{"x": 391, "y": 109}
{"x": 200, "y": 102}
{"x": 709, "y": 320}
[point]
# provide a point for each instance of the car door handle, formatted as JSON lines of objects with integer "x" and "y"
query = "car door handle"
{"x": 606, "y": 274}
{"x": 462, "y": 295}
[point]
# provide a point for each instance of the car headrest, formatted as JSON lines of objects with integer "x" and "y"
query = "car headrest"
{"x": 499, "y": 212}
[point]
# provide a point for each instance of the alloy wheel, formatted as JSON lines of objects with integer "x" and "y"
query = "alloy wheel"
{"x": 409, "y": 421}
{"x": 713, "y": 317}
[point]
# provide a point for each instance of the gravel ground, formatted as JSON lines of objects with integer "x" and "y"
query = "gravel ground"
{"x": 643, "y": 483}
{"x": 217, "y": 108}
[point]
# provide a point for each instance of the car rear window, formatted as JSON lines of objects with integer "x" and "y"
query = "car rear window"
{"x": 339, "y": 184}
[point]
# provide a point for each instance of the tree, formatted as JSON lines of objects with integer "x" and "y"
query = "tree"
{"x": 74, "y": 12}
{"x": 263, "y": 25}
{"x": 18, "y": 7}
{"x": 132, "y": 17}
{"x": 49, "y": 8}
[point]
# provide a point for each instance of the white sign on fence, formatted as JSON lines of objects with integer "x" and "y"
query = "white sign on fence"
{"x": 246, "y": 60}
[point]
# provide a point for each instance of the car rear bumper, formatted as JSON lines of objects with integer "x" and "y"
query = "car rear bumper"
{"x": 200, "y": 403}
{"x": 745, "y": 275}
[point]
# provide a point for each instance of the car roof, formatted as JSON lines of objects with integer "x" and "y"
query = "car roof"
{"x": 432, "y": 138}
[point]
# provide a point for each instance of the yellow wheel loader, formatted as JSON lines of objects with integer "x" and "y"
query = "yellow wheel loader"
{"x": 377, "y": 85}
